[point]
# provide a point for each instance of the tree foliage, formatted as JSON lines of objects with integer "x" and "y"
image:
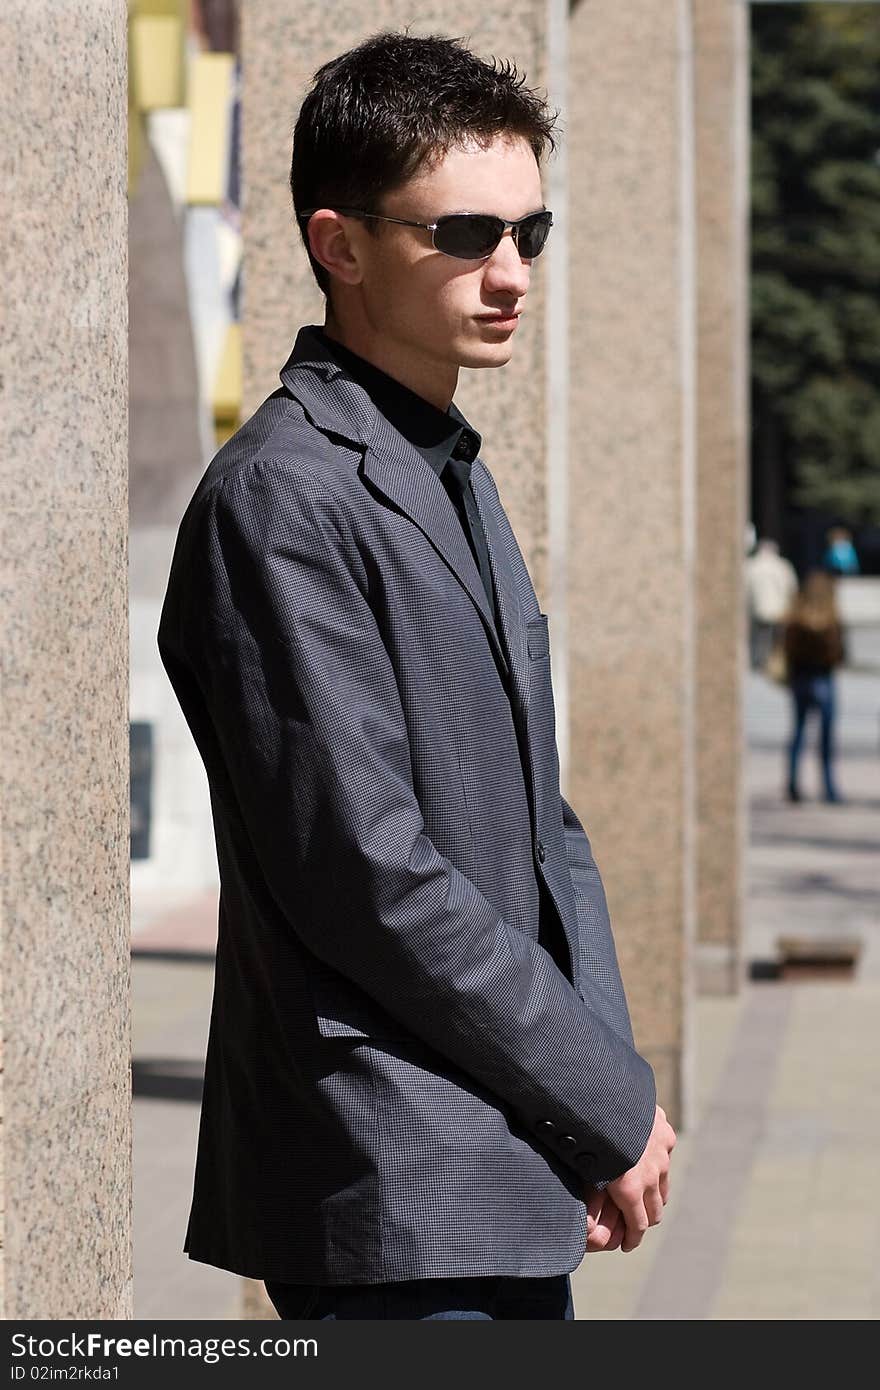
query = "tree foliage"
{"x": 816, "y": 250}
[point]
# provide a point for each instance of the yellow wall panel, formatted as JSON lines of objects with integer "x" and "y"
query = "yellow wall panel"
{"x": 179, "y": 8}
{"x": 157, "y": 68}
{"x": 226, "y": 402}
{"x": 209, "y": 99}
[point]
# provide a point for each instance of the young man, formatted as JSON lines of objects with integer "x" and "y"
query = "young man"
{"x": 421, "y": 1076}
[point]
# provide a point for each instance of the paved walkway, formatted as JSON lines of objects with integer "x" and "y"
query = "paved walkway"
{"x": 772, "y": 1211}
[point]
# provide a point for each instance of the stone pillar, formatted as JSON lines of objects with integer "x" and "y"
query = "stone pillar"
{"x": 721, "y": 109}
{"x": 64, "y": 625}
{"x": 282, "y": 46}
{"x": 631, "y": 481}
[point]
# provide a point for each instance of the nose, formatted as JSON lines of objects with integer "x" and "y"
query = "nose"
{"x": 505, "y": 271}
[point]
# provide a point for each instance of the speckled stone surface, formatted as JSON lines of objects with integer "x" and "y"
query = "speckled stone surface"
{"x": 722, "y": 151}
{"x": 64, "y": 624}
{"x": 283, "y": 45}
{"x": 75, "y": 1211}
{"x": 632, "y": 467}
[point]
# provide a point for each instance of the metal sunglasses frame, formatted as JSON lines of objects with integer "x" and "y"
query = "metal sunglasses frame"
{"x": 452, "y": 216}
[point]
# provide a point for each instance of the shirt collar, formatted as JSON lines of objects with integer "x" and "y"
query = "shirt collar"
{"x": 437, "y": 434}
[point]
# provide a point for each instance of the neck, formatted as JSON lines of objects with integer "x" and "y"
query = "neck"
{"x": 434, "y": 382}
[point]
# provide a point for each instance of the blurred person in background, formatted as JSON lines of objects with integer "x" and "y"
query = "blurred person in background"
{"x": 771, "y": 583}
{"x": 814, "y": 646}
{"x": 840, "y": 555}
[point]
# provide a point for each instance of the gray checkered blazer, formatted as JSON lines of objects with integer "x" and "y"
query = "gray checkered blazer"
{"x": 420, "y": 1054}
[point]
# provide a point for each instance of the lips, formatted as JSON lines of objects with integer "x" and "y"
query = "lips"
{"x": 500, "y": 318}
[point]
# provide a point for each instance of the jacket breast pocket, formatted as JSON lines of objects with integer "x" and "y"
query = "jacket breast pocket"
{"x": 541, "y": 713}
{"x": 538, "y": 635}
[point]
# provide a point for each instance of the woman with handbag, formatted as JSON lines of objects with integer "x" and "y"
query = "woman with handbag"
{"x": 813, "y": 643}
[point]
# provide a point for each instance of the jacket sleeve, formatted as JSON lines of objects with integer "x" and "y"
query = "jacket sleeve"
{"x": 304, "y": 700}
{"x": 599, "y": 970}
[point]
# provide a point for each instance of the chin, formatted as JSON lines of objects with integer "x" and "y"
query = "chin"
{"x": 486, "y": 354}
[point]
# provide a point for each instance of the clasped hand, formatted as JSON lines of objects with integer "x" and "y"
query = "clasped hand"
{"x": 619, "y": 1215}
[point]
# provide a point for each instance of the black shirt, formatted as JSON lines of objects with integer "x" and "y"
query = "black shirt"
{"x": 442, "y": 437}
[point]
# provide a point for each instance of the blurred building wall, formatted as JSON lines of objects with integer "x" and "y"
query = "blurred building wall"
{"x": 170, "y": 443}
{"x": 185, "y": 399}
{"x": 64, "y": 625}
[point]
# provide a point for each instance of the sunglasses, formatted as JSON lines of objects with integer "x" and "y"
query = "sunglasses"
{"x": 471, "y": 236}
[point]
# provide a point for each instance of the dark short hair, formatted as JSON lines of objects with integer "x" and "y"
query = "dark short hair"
{"x": 379, "y": 112}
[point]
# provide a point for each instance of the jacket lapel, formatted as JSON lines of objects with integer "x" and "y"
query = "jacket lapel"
{"x": 338, "y": 405}
{"x": 509, "y": 608}
{"x": 406, "y": 480}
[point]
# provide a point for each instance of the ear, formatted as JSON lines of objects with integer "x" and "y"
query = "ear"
{"x": 333, "y": 240}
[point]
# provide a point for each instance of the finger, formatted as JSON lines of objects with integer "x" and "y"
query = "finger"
{"x": 610, "y": 1238}
{"x": 664, "y": 1187}
{"x": 604, "y": 1227}
{"x": 617, "y": 1234}
{"x": 595, "y": 1202}
{"x": 609, "y": 1213}
{"x": 601, "y": 1233}
{"x": 597, "y": 1240}
{"x": 654, "y": 1207}
{"x": 636, "y": 1225}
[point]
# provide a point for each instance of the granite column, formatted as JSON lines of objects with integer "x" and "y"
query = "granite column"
{"x": 64, "y": 625}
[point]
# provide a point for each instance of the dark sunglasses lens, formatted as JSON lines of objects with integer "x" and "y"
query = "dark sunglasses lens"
{"x": 468, "y": 237}
{"x": 531, "y": 236}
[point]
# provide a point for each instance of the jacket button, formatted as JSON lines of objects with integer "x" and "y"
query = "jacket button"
{"x": 546, "y": 1128}
{"x": 586, "y": 1158}
{"x": 567, "y": 1141}
{"x": 541, "y": 851}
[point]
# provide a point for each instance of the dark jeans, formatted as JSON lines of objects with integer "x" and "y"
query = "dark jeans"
{"x": 473, "y": 1298}
{"x": 813, "y": 692}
